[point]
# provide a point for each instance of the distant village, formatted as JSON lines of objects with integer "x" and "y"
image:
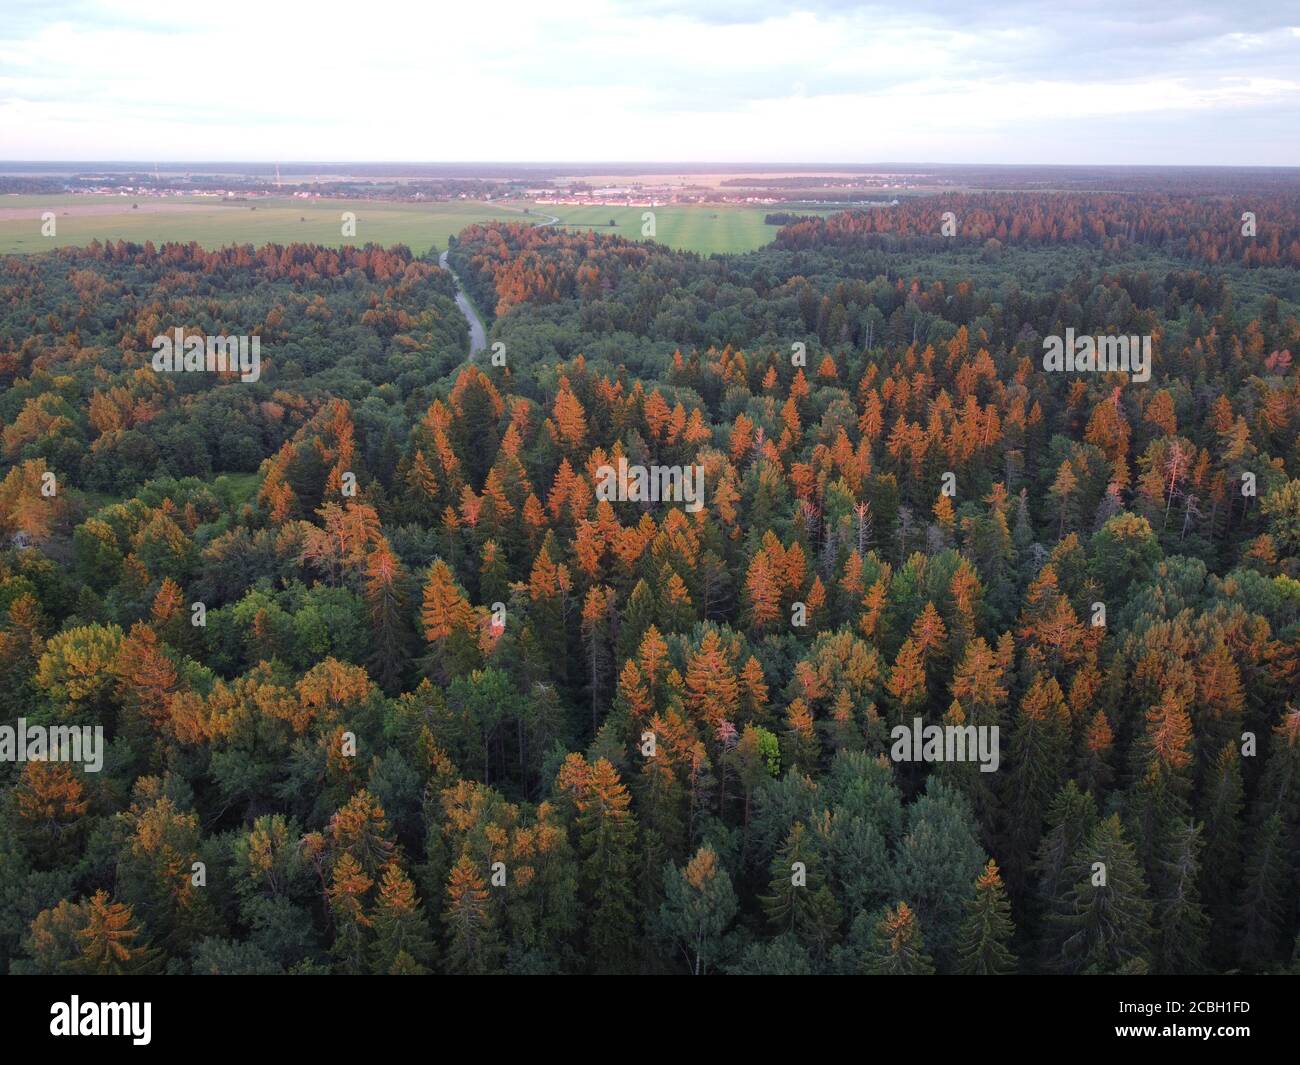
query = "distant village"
{"x": 638, "y": 195}
{"x": 578, "y": 193}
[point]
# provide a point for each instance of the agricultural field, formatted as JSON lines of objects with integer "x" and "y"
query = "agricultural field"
{"x": 706, "y": 228}
{"x": 81, "y": 219}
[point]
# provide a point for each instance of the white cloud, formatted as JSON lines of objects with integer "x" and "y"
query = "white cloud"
{"x": 509, "y": 80}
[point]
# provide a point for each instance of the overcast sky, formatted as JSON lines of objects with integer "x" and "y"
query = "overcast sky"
{"x": 1111, "y": 81}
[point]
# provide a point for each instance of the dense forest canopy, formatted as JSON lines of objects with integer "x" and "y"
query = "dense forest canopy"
{"x": 387, "y": 685}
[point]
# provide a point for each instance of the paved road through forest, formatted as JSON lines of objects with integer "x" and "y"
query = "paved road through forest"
{"x": 477, "y": 333}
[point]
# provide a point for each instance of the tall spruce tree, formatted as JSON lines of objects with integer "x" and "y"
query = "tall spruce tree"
{"x": 1106, "y": 926}
{"x": 799, "y": 901}
{"x": 983, "y": 944}
{"x": 1180, "y": 918}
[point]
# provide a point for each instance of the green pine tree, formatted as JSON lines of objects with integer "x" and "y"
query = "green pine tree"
{"x": 1221, "y": 806}
{"x": 607, "y": 834}
{"x": 1106, "y": 925}
{"x": 399, "y": 925}
{"x": 983, "y": 944}
{"x": 1180, "y": 917}
{"x": 699, "y": 906}
{"x": 1263, "y": 900}
{"x": 799, "y": 900}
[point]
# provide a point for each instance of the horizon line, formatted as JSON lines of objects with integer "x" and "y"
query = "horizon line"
{"x": 712, "y": 164}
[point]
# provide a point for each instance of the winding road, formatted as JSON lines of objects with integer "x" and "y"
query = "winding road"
{"x": 477, "y": 332}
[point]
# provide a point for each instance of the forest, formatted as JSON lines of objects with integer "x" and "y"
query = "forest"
{"x": 387, "y": 685}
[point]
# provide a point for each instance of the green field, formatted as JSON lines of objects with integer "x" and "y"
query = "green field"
{"x": 214, "y": 223}
{"x": 705, "y": 228}
{"x": 81, "y": 219}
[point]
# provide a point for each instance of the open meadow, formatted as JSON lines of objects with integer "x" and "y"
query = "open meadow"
{"x": 705, "y": 228}
{"x": 83, "y": 218}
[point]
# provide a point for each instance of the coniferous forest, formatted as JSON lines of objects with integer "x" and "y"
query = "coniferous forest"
{"x": 389, "y": 684}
